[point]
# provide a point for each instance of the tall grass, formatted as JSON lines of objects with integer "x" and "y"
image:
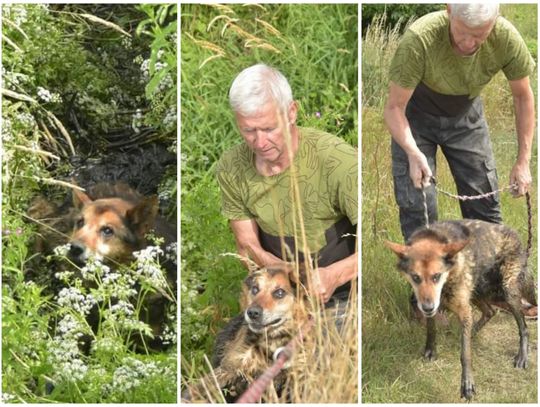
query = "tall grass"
{"x": 392, "y": 366}
{"x": 315, "y": 47}
{"x": 323, "y": 368}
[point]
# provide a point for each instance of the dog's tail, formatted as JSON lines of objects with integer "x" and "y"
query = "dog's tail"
{"x": 528, "y": 288}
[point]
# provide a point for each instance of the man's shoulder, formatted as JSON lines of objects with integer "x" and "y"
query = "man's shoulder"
{"x": 320, "y": 139}
{"x": 326, "y": 146}
{"x": 429, "y": 27}
{"x": 504, "y": 31}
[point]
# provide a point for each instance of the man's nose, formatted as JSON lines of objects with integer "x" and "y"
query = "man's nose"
{"x": 260, "y": 139}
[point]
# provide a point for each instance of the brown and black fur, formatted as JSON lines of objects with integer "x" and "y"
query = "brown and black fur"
{"x": 114, "y": 216}
{"x": 245, "y": 347}
{"x": 477, "y": 263}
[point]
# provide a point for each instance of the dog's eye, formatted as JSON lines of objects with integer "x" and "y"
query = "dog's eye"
{"x": 279, "y": 293}
{"x": 107, "y": 231}
{"x": 416, "y": 278}
{"x": 80, "y": 223}
{"x": 436, "y": 277}
{"x": 254, "y": 290}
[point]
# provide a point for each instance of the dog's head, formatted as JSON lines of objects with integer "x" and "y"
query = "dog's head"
{"x": 426, "y": 263}
{"x": 270, "y": 298}
{"x": 109, "y": 228}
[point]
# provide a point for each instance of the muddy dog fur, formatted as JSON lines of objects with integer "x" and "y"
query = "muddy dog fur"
{"x": 108, "y": 221}
{"x": 455, "y": 264}
{"x": 273, "y": 313}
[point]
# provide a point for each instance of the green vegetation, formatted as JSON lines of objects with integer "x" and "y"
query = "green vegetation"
{"x": 392, "y": 367}
{"x": 73, "y": 75}
{"x": 315, "y": 47}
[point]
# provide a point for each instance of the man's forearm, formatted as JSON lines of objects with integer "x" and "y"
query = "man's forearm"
{"x": 257, "y": 254}
{"x": 525, "y": 122}
{"x": 399, "y": 128}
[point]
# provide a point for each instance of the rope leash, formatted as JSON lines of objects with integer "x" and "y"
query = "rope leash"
{"x": 483, "y": 196}
{"x": 254, "y": 393}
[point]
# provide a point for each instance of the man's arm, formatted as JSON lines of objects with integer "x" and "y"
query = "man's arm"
{"x": 398, "y": 125}
{"x": 335, "y": 275}
{"x": 246, "y": 233}
{"x": 524, "y": 112}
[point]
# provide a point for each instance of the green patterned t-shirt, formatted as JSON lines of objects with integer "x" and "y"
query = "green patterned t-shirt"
{"x": 326, "y": 170}
{"x": 425, "y": 54}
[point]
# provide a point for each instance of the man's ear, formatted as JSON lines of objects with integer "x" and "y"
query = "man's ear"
{"x": 79, "y": 198}
{"x": 292, "y": 112}
{"x": 399, "y": 249}
{"x": 143, "y": 215}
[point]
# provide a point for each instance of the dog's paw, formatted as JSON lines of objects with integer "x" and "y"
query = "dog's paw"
{"x": 520, "y": 361}
{"x": 467, "y": 389}
{"x": 430, "y": 355}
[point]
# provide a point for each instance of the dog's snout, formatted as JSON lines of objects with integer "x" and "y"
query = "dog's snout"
{"x": 254, "y": 313}
{"x": 428, "y": 307}
{"x": 76, "y": 250}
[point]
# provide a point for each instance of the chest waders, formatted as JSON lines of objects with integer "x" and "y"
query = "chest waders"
{"x": 457, "y": 125}
{"x": 337, "y": 248}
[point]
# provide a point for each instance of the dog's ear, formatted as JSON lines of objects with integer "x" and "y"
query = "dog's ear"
{"x": 143, "y": 215}
{"x": 399, "y": 249}
{"x": 80, "y": 198}
{"x": 451, "y": 249}
{"x": 298, "y": 275}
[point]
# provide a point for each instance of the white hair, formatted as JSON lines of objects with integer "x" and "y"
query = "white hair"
{"x": 474, "y": 14}
{"x": 258, "y": 85}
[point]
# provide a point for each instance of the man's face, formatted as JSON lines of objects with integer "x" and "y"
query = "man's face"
{"x": 265, "y": 131}
{"x": 467, "y": 40}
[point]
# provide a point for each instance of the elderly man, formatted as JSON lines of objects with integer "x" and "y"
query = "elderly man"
{"x": 442, "y": 63}
{"x": 289, "y": 189}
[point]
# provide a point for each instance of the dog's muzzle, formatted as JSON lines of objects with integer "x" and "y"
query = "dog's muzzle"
{"x": 77, "y": 253}
{"x": 428, "y": 309}
{"x": 254, "y": 316}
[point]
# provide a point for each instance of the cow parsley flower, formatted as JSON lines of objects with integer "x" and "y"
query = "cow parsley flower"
{"x": 73, "y": 298}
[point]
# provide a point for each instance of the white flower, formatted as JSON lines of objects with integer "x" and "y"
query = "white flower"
{"x": 122, "y": 308}
{"x": 64, "y": 276}
{"x": 44, "y": 94}
{"x": 26, "y": 119}
{"x": 7, "y": 398}
{"x": 62, "y": 250}
{"x": 133, "y": 372}
{"x": 107, "y": 345}
{"x": 171, "y": 252}
{"x": 73, "y": 298}
{"x": 65, "y": 357}
{"x": 94, "y": 268}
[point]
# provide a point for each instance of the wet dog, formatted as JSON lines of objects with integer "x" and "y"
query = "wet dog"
{"x": 458, "y": 263}
{"x": 249, "y": 343}
{"x": 109, "y": 222}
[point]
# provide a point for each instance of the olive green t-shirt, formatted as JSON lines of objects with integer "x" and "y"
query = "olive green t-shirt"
{"x": 425, "y": 54}
{"x": 326, "y": 170}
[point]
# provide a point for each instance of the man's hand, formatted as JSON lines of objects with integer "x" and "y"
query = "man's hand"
{"x": 419, "y": 170}
{"x": 520, "y": 176}
{"x": 325, "y": 283}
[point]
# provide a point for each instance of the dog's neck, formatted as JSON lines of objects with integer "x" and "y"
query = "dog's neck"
{"x": 266, "y": 343}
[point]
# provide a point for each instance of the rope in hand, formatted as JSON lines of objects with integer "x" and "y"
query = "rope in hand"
{"x": 254, "y": 393}
{"x": 482, "y": 196}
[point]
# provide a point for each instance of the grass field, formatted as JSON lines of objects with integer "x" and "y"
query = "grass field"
{"x": 392, "y": 367}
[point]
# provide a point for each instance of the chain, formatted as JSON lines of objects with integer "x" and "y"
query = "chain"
{"x": 426, "y": 215}
{"x": 482, "y": 196}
